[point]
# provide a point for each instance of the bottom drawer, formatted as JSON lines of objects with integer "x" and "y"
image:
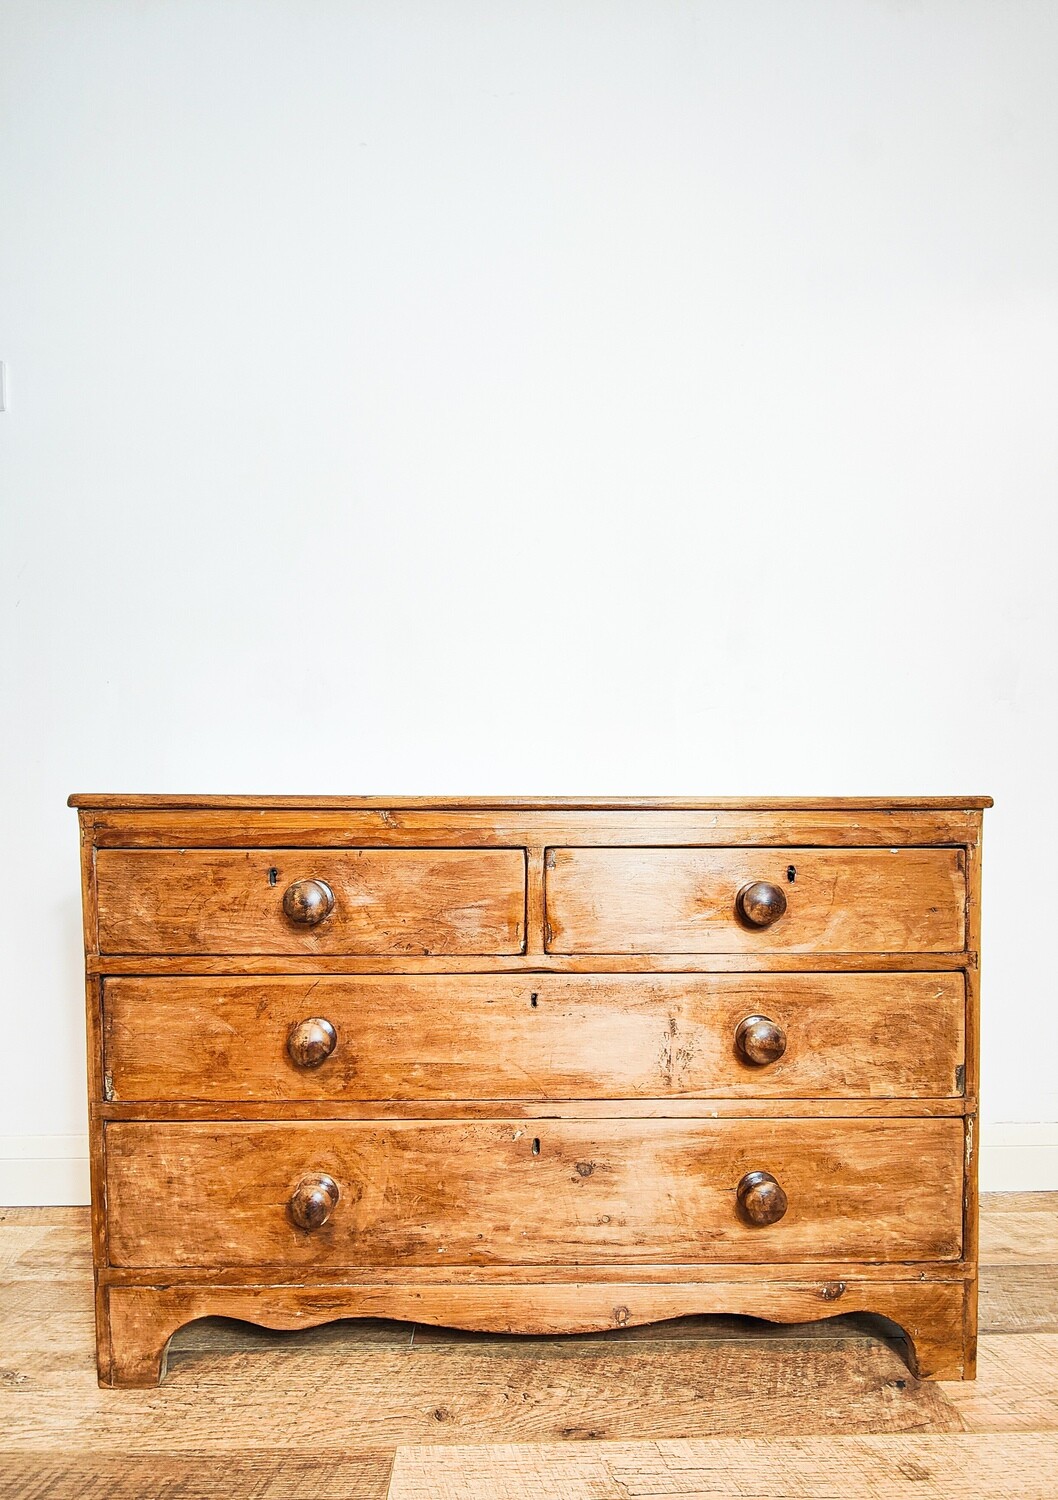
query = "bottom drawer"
{"x": 530, "y": 1192}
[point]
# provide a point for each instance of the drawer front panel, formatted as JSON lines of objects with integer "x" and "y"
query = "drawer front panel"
{"x": 525, "y": 1192}
{"x": 311, "y": 901}
{"x": 686, "y": 900}
{"x": 536, "y": 1036}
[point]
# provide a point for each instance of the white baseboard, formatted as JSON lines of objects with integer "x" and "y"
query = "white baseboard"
{"x": 1019, "y": 1158}
{"x": 53, "y": 1169}
{"x": 49, "y": 1170}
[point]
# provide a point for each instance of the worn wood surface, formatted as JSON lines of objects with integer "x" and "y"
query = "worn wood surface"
{"x": 1015, "y": 1234}
{"x": 654, "y": 900}
{"x": 529, "y": 1192}
{"x": 389, "y": 901}
{"x": 141, "y": 1320}
{"x": 470, "y": 804}
{"x": 317, "y": 1415}
{"x": 877, "y": 897}
{"x": 505, "y": 1276}
{"x": 676, "y": 1108}
{"x": 286, "y": 827}
{"x": 852, "y": 1468}
{"x": 325, "y": 1474}
{"x": 1019, "y": 1298}
{"x": 1020, "y": 1390}
{"x": 530, "y": 962}
{"x": 540, "y": 1036}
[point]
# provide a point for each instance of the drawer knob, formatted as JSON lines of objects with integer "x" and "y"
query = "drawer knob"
{"x": 760, "y": 1041}
{"x": 760, "y": 1198}
{"x": 760, "y": 903}
{"x": 311, "y": 1042}
{"x": 308, "y": 901}
{"x": 313, "y": 1201}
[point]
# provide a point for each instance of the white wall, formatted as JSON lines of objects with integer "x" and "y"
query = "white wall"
{"x": 548, "y": 397}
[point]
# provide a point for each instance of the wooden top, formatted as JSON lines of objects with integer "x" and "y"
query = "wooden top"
{"x": 191, "y": 801}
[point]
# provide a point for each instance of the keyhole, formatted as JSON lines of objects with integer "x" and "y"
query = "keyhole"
{"x": 791, "y": 873}
{"x": 536, "y": 1145}
{"x": 532, "y": 999}
{"x": 273, "y": 875}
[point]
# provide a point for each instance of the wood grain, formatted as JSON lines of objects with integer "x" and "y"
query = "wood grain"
{"x": 654, "y": 900}
{"x": 61, "y": 1475}
{"x": 530, "y": 962}
{"x": 1019, "y": 1298}
{"x": 1014, "y": 1234}
{"x": 265, "y": 827}
{"x": 143, "y": 1319}
{"x": 543, "y": 1036}
{"x": 341, "y": 1040}
{"x": 463, "y": 1193}
{"x": 1018, "y": 1391}
{"x": 933, "y": 1467}
{"x": 470, "y": 804}
{"x": 505, "y": 1275}
{"x": 681, "y": 1108}
{"x": 386, "y": 901}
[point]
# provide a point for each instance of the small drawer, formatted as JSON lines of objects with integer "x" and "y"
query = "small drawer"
{"x": 314, "y": 1197}
{"x": 535, "y": 1036}
{"x": 311, "y": 901}
{"x": 704, "y": 900}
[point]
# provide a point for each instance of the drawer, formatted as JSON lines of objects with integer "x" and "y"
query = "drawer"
{"x": 289, "y": 901}
{"x": 535, "y": 1036}
{"x": 699, "y": 900}
{"x": 530, "y": 1192}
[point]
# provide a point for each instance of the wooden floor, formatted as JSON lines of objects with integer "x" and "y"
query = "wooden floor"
{"x": 702, "y": 1407}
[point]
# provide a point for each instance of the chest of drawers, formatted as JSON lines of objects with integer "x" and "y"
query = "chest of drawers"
{"x": 531, "y": 1065}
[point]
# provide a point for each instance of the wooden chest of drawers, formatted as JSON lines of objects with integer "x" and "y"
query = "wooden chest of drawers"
{"x": 531, "y": 1066}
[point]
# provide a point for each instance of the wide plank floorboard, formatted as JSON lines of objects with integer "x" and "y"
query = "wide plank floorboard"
{"x": 288, "y": 1391}
{"x": 61, "y": 1475}
{"x": 847, "y": 1468}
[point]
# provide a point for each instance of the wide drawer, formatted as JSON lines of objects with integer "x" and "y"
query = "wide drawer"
{"x": 531, "y": 1192}
{"x": 536, "y": 1036}
{"x": 691, "y": 900}
{"x": 287, "y": 901}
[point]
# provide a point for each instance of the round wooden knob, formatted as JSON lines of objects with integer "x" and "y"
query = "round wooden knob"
{"x": 313, "y": 1201}
{"x": 760, "y": 903}
{"x": 760, "y": 1041}
{"x": 760, "y": 1198}
{"x": 311, "y": 1042}
{"x": 308, "y": 901}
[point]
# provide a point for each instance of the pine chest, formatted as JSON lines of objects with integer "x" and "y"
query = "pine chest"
{"x": 531, "y": 1065}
